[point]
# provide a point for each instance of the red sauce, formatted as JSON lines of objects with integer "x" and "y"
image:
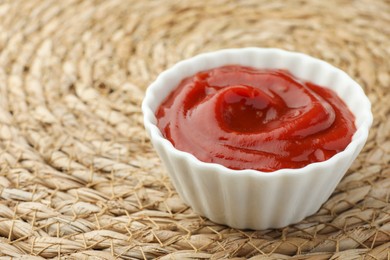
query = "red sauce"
{"x": 246, "y": 118}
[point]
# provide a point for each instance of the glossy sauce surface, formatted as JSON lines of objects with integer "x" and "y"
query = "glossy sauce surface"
{"x": 245, "y": 118}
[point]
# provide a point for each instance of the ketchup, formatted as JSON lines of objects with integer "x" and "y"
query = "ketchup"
{"x": 247, "y": 118}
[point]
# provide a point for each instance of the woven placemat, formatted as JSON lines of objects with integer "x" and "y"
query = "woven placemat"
{"x": 78, "y": 175}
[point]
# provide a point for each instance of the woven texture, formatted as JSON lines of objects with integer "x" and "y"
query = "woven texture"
{"x": 78, "y": 175}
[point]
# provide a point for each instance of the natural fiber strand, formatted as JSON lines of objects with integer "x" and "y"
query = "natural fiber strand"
{"x": 78, "y": 175}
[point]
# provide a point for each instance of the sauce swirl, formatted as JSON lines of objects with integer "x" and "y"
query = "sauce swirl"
{"x": 247, "y": 118}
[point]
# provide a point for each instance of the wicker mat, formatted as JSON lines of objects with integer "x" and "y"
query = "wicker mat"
{"x": 78, "y": 175}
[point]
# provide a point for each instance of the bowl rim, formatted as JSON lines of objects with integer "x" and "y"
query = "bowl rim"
{"x": 359, "y": 137}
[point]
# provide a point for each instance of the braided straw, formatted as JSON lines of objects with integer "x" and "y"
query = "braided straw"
{"x": 78, "y": 176}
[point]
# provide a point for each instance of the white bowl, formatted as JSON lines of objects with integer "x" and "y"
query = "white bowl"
{"x": 249, "y": 198}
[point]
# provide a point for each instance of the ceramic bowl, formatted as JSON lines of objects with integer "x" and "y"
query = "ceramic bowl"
{"x": 250, "y": 198}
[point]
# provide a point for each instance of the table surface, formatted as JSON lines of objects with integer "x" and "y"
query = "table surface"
{"x": 78, "y": 175}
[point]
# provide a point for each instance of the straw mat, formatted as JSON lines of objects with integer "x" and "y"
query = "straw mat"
{"x": 78, "y": 176}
